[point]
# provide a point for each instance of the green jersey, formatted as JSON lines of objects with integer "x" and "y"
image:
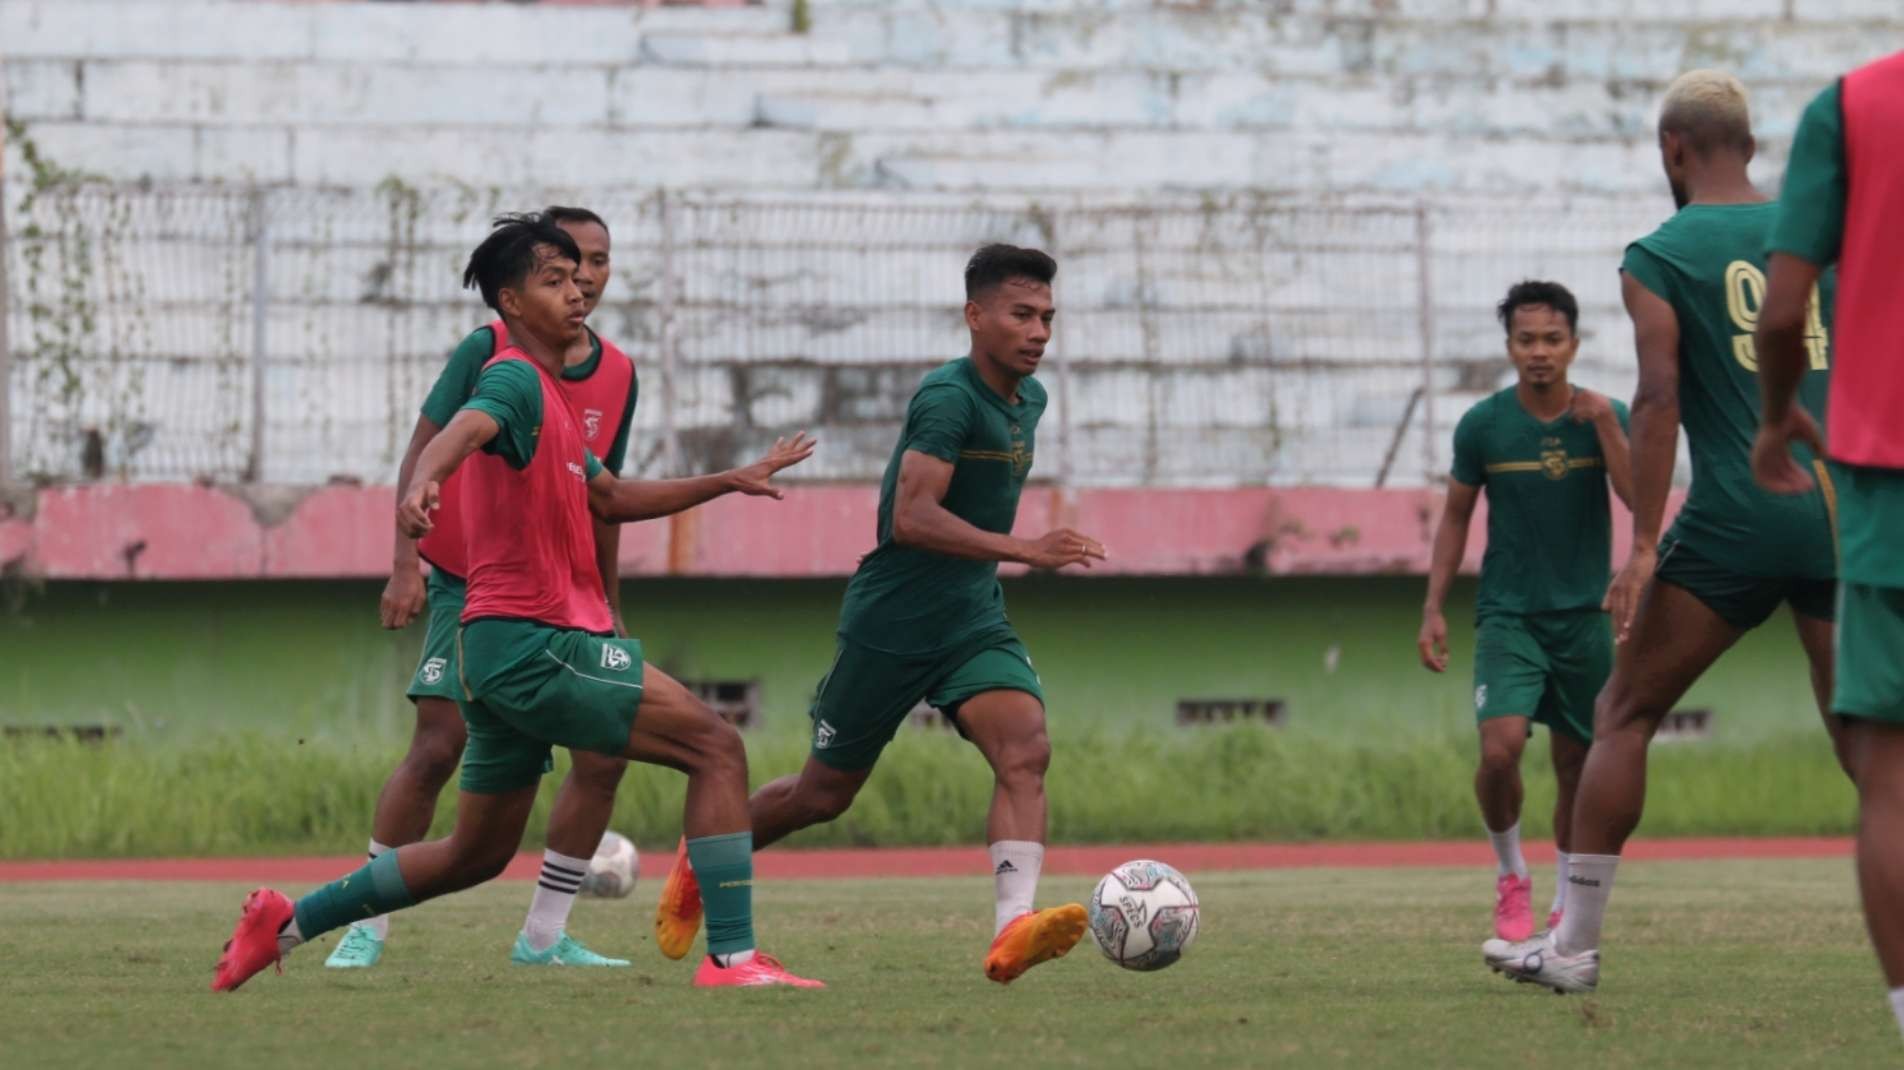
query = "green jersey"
{"x": 1708, "y": 263}
{"x": 903, "y": 600}
{"x": 1549, "y": 531}
{"x": 456, "y": 384}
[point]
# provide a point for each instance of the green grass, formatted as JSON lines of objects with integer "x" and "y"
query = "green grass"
{"x": 265, "y": 794}
{"x": 1712, "y": 964}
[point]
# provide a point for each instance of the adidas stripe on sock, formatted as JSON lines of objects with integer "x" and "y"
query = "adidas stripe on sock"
{"x": 556, "y": 886}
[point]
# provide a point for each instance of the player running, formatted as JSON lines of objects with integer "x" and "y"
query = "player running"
{"x": 537, "y": 657}
{"x": 600, "y": 384}
{"x": 1843, "y": 204}
{"x": 1546, "y": 450}
{"x": 1693, "y": 290}
{"x": 924, "y": 617}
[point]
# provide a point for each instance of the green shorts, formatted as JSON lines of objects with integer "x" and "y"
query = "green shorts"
{"x": 1548, "y": 667}
{"x": 866, "y": 695}
{"x": 529, "y": 687}
{"x": 1869, "y": 674}
{"x": 1743, "y": 601}
{"x": 436, "y": 669}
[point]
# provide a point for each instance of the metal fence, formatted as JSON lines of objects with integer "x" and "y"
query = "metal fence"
{"x": 288, "y": 336}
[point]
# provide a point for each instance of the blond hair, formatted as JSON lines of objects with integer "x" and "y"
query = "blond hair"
{"x": 1708, "y": 109}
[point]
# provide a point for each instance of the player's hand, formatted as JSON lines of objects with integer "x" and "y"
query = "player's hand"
{"x": 1588, "y": 406}
{"x": 756, "y": 479}
{"x": 413, "y": 515}
{"x": 1623, "y": 595}
{"x": 1432, "y": 642}
{"x": 403, "y": 597}
{"x": 1772, "y": 462}
{"x": 1063, "y": 547}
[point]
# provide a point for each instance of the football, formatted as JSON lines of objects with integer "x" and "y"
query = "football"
{"x": 611, "y": 873}
{"x": 1143, "y": 915}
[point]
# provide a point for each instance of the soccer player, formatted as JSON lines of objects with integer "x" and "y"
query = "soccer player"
{"x": 1693, "y": 290}
{"x": 600, "y": 383}
{"x": 1843, "y": 204}
{"x": 538, "y": 660}
{"x": 924, "y": 617}
{"x": 1546, "y": 450}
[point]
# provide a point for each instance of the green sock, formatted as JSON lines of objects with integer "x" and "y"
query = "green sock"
{"x": 724, "y": 868}
{"x": 375, "y": 889}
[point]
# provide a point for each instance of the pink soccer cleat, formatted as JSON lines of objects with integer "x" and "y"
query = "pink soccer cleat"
{"x": 760, "y": 971}
{"x": 1513, "y": 908}
{"x": 254, "y": 942}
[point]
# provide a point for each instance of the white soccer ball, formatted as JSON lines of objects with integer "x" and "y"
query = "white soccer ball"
{"x": 1143, "y": 915}
{"x": 611, "y": 873}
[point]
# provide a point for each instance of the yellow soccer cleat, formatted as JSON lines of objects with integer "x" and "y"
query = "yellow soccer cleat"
{"x": 1034, "y": 937}
{"x": 677, "y": 917}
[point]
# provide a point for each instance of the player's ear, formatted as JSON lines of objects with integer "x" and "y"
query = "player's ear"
{"x": 973, "y": 313}
{"x": 1751, "y": 148}
{"x": 509, "y": 302}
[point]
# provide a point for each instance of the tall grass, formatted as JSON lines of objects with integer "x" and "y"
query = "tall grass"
{"x": 239, "y": 794}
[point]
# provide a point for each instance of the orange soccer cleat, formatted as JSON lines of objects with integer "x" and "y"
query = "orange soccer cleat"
{"x": 254, "y": 942}
{"x": 1034, "y": 937}
{"x": 678, "y": 916}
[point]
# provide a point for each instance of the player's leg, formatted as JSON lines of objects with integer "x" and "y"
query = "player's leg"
{"x": 488, "y": 830}
{"x": 580, "y": 816}
{"x": 1869, "y": 697}
{"x": 677, "y": 730}
{"x": 859, "y": 705}
{"x": 407, "y": 803}
{"x": 1813, "y": 616}
{"x": 1579, "y": 649}
{"x": 1569, "y": 758}
{"x": 1676, "y": 636}
{"x": 996, "y": 700}
{"x": 1510, "y": 679}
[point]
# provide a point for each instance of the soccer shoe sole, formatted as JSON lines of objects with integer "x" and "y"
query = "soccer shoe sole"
{"x": 1054, "y": 933}
{"x": 678, "y": 915}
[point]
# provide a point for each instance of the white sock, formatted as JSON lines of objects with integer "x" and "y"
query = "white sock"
{"x": 1897, "y": 1006}
{"x": 379, "y": 926}
{"x": 1507, "y": 851}
{"x": 734, "y": 958}
{"x": 1015, "y": 866}
{"x": 1589, "y": 884}
{"x": 1560, "y": 883}
{"x": 289, "y": 936}
{"x": 554, "y": 897}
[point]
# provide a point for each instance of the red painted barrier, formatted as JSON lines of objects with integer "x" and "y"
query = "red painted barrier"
{"x": 165, "y": 531}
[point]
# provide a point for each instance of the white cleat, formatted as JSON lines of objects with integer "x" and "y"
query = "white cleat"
{"x": 1536, "y": 962}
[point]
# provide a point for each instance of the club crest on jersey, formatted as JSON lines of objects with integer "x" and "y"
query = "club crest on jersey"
{"x": 591, "y": 423}
{"x": 614, "y": 657}
{"x": 1553, "y": 463}
{"x": 433, "y": 670}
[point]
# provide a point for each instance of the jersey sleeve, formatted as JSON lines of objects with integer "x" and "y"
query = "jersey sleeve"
{"x": 510, "y": 393}
{"x": 1811, "y": 202}
{"x": 938, "y": 421}
{"x": 1649, "y": 270}
{"x": 592, "y": 467}
{"x": 1470, "y": 459}
{"x": 457, "y": 381}
{"x": 618, "y": 451}
{"x": 1620, "y": 412}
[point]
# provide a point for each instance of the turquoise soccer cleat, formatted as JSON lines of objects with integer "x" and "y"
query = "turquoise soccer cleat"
{"x": 564, "y": 952}
{"x": 358, "y": 950}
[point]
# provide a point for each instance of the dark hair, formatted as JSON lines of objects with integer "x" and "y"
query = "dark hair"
{"x": 999, "y": 263}
{"x": 560, "y": 214}
{"x": 1539, "y": 292}
{"x": 507, "y": 256}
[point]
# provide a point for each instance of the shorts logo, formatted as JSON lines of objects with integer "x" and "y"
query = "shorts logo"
{"x": 614, "y": 657}
{"x": 591, "y": 423}
{"x": 433, "y": 670}
{"x": 822, "y": 735}
{"x": 1480, "y": 697}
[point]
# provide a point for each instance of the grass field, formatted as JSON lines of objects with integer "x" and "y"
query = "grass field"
{"x": 1710, "y": 964}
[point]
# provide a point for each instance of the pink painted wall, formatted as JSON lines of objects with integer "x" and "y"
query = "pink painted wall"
{"x": 153, "y": 531}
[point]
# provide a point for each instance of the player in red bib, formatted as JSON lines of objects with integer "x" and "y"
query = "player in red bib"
{"x": 600, "y": 384}
{"x": 540, "y": 663}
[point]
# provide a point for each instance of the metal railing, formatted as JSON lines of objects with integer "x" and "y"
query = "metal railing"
{"x": 288, "y": 336}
